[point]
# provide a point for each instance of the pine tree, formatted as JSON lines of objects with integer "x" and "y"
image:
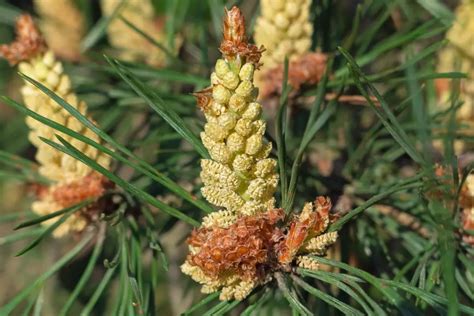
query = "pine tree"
{"x": 173, "y": 158}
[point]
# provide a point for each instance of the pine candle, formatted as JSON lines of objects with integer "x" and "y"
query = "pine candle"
{"x": 242, "y": 245}
{"x": 72, "y": 181}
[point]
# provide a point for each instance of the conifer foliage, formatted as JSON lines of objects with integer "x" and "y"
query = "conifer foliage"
{"x": 255, "y": 157}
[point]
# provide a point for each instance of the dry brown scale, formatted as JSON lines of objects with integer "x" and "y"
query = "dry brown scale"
{"x": 28, "y": 43}
{"x": 247, "y": 248}
{"x": 255, "y": 247}
{"x": 235, "y": 42}
{"x": 307, "y": 69}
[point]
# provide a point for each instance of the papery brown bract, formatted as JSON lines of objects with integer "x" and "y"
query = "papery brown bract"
{"x": 235, "y": 41}
{"x": 246, "y": 248}
{"x": 28, "y": 43}
{"x": 312, "y": 221}
{"x": 249, "y": 251}
{"x": 323, "y": 216}
{"x": 306, "y": 69}
{"x": 91, "y": 186}
{"x": 204, "y": 98}
{"x": 234, "y": 27}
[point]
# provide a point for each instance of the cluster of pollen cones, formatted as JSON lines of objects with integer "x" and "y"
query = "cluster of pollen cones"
{"x": 72, "y": 182}
{"x": 245, "y": 243}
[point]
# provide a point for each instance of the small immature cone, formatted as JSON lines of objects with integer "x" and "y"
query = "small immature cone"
{"x": 131, "y": 45}
{"x": 62, "y": 26}
{"x": 35, "y": 60}
{"x": 458, "y": 55}
{"x": 239, "y": 176}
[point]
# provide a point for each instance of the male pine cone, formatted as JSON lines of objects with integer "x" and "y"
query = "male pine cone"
{"x": 131, "y": 45}
{"x": 284, "y": 29}
{"x": 239, "y": 176}
{"x": 63, "y": 31}
{"x": 72, "y": 181}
